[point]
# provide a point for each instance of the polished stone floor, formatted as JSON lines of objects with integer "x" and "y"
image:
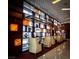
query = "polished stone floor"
{"x": 60, "y": 52}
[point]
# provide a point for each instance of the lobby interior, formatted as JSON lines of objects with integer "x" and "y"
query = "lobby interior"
{"x": 38, "y": 29}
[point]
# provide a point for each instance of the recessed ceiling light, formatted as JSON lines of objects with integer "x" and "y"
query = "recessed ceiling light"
{"x": 65, "y": 9}
{"x": 55, "y": 1}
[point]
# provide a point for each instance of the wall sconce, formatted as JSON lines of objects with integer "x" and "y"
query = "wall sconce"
{"x": 17, "y": 42}
{"x": 13, "y": 27}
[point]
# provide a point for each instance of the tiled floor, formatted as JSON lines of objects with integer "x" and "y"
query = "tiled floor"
{"x": 60, "y": 52}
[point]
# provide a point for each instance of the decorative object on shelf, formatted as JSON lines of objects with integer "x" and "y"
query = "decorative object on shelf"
{"x": 30, "y": 23}
{"x": 37, "y": 15}
{"x": 48, "y": 27}
{"x": 36, "y": 24}
{"x": 37, "y": 30}
{"x": 55, "y": 22}
{"x": 29, "y": 29}
{"x": 42, "y": 25}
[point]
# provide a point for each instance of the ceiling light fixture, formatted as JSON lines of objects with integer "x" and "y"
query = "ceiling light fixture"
{"x": 65, "y": 9}
{"x": 55, "y": 1}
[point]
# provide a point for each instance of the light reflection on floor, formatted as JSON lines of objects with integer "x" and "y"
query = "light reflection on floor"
{"x": 60, "y": 52}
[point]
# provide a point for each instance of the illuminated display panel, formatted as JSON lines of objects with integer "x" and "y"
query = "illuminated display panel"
{"x": 30, "y": 23}
{"x": 42, "y": 16}
{"x": 37, "y": 16}
{"x": 25, "y": 35}
{"x": 24, "y": 28}
{"x": 26, "y": 5}
{"x": 48, "y": 27}
{"x": 42, "y": 25}
{"x": 29, "y": 29}
{"x": 25, "y": 22}
{"x": 55, "y": 22}
{"x": 25, "y": 41}
{"x": 17, "y": 42}
{"x": 13, "y": 27}
{"x": 38, "y": 34}
{"x": 27, "y": 12}
{"x": 47, "y": 18}
{"x": 36, "y": 24}
{"x": 35, "y": 10}
{"x": 44, "y": 30}
{"x": 43, "y": 35}
{"x": 37, "y": 30}
{"x": 41, "y": 29}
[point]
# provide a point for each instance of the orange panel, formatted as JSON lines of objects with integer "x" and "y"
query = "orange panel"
{"x": 17, "y": 42}
{"x": 26, "y": 22}
{"x": 13, "y": 27}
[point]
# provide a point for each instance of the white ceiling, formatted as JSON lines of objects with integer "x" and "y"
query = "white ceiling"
{"x": 54, "y": 10}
